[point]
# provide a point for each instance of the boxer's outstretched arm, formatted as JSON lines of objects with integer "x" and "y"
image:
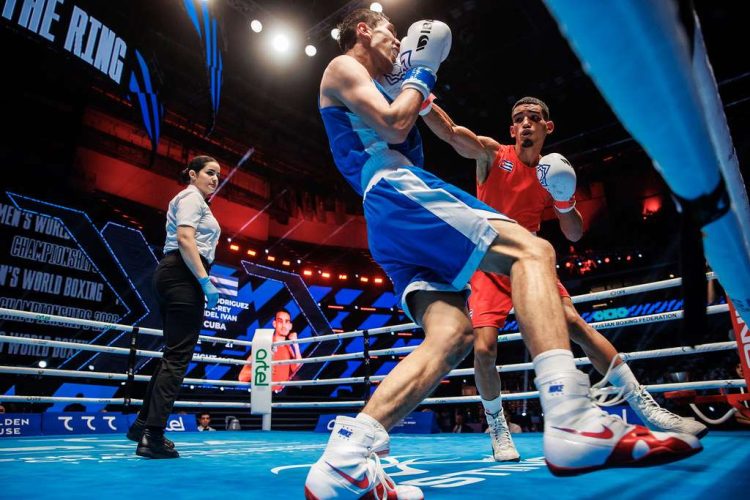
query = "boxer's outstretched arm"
{"x": 463, "y": 140}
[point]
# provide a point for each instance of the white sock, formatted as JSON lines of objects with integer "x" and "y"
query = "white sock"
{"x": 367, "y": 419}
{"x": 554, "y": 361}
{"x": 622, "y": 376}
{"x": 493, "y": 406}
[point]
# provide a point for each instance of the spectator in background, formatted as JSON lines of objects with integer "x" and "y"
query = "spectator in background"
{"x": 461, "y": 426}
{"x": 75, "y": 406}
{"x": 282, "y": 330}
{"x": 204, "y": 422}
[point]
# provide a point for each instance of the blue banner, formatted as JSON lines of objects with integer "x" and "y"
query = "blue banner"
{"x": 415, "y": 423}
{"x": 84, "y": 423}
{"x": 20, "y": 424}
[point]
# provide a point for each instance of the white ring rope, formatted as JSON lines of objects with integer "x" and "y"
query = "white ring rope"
{"x": 656, "y": 353}
{"x": 510, "y": 337}
{"x": 101, "y": 325}
{"x": 53, "y": 372}
{"x": 205, "y": 358}
{"x": 709, "y": 384}
{"x": 602, "y": 325}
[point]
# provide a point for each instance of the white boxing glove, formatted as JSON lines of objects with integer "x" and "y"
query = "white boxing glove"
{"x": 556, "y": 175}
{"x": 391, "y": 83}
{"x": 426, "y": 45}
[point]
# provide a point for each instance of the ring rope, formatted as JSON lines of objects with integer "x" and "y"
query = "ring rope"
{"x": 603, "y": 325}
{"x": 709, "y": 384}
{"x": 656, "y": 353}
{"x": 101, "y": 325}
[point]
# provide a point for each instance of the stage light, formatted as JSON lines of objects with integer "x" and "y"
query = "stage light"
{"x": 229, "y": 240}
{"x": 606, "y": 260}
{"x": 91, "y": 367}
{"x": 335, "y": 34}
{"x": 233, "y": 247}
{"x": 378, "y": 280}
{"x": 42, "y": 364}
{"x": 256, "y": 26}
{"x": 310, "y": 50}
{"x": 252, "y": 253}
{"x": 271, "y": 258}
{"x": 364, "y": 279}
{"x": 299, "y": 261}
{"x": 376, "y": 7}
{"x": 286, "y": 263}
{"x": 326, "y": 275}
{"x": 342, "y": 276}
{"x": 307, "y": 272}
{"x": 280, "y": 42}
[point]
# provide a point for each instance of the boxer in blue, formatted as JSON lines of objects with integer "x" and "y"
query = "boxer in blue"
{"x": 430, "y": 237}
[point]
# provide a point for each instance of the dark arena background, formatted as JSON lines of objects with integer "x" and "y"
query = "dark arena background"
{"x": 104, "y": 102}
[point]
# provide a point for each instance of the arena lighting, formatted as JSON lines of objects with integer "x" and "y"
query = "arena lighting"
{"x": 91, "y": 367}
{"x": 376, "y": 7}
{"x": 335, "y": 34}
{"x": 229, "y": 240}
{"x": 234, "y": 247}
{"x": 342, "y": 276}
{"x": 280, "y": 42}
{"x": 286, "y": 263}
{"x": 299, "y": 261}
{"x": 252, "y": 253}
{"x": 310, "y": 50}
{"x": 256, "y": 26}
{"x": 606, "y": 260}
{"x": 307, "y": 272}
{"x": 364, "y": 279}
{"x": 42, "y": 364}
{"x": 378, "y": 280}
{"x": 271, "y": 258}
{"x": 326, "y": 275}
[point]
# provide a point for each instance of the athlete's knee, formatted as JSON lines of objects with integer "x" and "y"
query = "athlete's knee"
{"x": 461, "y": 343}
{"x": 485, "y": 351}
{"x": 538, "y": 250}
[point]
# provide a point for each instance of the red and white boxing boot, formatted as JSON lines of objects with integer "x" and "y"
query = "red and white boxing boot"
{"x": 351, "y": 468}
{"x": 579, "y": 437}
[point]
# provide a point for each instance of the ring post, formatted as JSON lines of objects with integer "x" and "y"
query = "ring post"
{"x": 262, "y": 372}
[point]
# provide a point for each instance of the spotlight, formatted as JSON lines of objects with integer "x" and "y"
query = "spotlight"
{"x": 91, "y": 367}
{"x": 310, "y": 50}
{"x": 376, "y": 7}
{"x": 335, "y": 34}
{"x": 42, "y": 364}
{"x": 299, "y": 261}
{"x": 256, "y": 26}
{"x": 280, "y": 42}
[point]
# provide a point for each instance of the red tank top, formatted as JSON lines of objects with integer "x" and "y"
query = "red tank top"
{"x": 512, "y": 188}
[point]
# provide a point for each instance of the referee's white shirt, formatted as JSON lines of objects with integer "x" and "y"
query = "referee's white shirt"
{"x": 189, "y": 208}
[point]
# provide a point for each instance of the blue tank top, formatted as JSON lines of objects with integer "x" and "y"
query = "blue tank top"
{"x": 353, "y": 142}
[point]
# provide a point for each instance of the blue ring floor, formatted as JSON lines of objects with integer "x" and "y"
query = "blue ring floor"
{"x": 268, "y": 465}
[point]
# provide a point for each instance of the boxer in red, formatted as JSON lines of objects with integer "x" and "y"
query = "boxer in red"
{"x": 517, "y": 181}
